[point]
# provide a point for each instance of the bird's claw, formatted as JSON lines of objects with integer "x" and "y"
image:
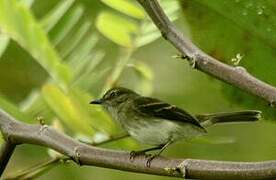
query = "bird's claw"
{"x": 150, "y": 158}
{"x": 192, "y": 62}
{"x": 133, "y": 154}
{"x": 76, "y": 156}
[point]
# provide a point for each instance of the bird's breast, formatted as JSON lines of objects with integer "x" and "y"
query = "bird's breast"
{"x": 148, "y": 131}
{"x": 154, "y": 131}
{"x": 160, "y": 131}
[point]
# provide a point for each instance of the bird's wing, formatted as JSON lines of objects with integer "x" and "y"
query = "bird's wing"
{"x": 156, "y": 108}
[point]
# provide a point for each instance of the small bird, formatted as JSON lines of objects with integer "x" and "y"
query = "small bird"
{"x": 157, "y": 123}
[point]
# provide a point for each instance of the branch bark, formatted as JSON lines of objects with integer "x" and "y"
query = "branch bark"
{"x": 236, "y": 76}
{"x": 6, "y": 152}
{"x": 39, "y": 169}
{"x": 83, "y": 154}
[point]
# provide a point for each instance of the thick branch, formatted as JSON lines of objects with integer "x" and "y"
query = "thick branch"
{"x": 39, "y": 169}
{"x": 19, "y": 132}
{"x": 236, "y": 76}
{"x": 6, "y": 151}
{"x": 83, "y": 154}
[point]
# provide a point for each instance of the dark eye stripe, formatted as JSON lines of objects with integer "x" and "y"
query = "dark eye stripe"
{"x": 110, "y": 94}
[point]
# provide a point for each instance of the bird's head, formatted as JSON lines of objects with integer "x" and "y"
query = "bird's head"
{"x": 115, "y": 96}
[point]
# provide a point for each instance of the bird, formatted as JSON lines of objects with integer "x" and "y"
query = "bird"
{"x": 157, "y": 123}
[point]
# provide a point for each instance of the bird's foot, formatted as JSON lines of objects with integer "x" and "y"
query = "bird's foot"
{"x": 134, "y": 154}
{"x": 150, "y": 158}
{"x": 76, "y": 156}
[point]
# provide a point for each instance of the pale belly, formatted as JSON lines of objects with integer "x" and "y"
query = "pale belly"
{"x": 160, "y": 131}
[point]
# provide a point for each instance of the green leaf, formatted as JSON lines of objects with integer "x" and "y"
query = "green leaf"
{"x": 66, "y": 25}
{"x": 117, "y": 70}
{"x": 118, "y": 29}
{"x": 128, "y": 7}
{"x": 68, "y": 109}
{"x": 74, "y": 110}
{"x": 37, "y": 170}
{"x": 171, "y": 8}
{"x": 27, "y": 3}
{"x": 13, "y": 110}
{"x": 147, "y": 38}
{"x": 77, "y": 49}
{"x": 86, "y": 67}
{"x": 4, "y": 41}
{"x": 75, "y": 39}
{"x": 92, "y": 78}
{"x": 17, "y": 21}
{"x": 99, "y": 120}
{"x": 34, "y": 105}
{"x": 86, "y": 73}
{"x": 148, "y": 32}
{"x": 83, "y": 50}
{"x": 143, "y": 70}
{"x": 145, "y": 74}
{"x": 55, "y": 15}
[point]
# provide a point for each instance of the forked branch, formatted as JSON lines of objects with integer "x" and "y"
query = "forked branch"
{"x": 236, "y": 76}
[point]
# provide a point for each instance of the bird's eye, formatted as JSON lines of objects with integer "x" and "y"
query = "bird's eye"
{"x": 112, "y": 94}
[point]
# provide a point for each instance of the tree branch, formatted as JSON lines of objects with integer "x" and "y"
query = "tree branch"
{"x": 237, "y": 76}
{"x": 83, "y": 154}
{"x": 6, "y": 151}
{"x": 39, "y": 169}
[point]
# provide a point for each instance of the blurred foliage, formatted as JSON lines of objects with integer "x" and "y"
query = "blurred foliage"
{"x": 242, "y": 27}
{"x": 17, "y": 22}
{"x": 55, "y": 56}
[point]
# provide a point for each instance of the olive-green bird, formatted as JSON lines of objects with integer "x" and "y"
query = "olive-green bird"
{"x": 154, "y": 122}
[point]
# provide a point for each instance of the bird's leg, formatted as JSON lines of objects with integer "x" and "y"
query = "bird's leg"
{"x": 152, "y": 156}
{"x": 133, "y": 154}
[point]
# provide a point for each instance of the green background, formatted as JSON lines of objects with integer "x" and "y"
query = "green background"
{"x": 44, "y": 71}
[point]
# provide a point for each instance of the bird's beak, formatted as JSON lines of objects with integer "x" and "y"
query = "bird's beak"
{"x": 96, "y": 101}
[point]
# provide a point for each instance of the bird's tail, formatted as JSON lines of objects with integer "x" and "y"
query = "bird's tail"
{"x": 239, "y": 116}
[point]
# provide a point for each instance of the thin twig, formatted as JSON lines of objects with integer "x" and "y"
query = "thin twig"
{"x": 36, "y": 170}
{"x": 6, "y": 151}
{"x": 236, "y": 76}
{"x": 83, "y": 154}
